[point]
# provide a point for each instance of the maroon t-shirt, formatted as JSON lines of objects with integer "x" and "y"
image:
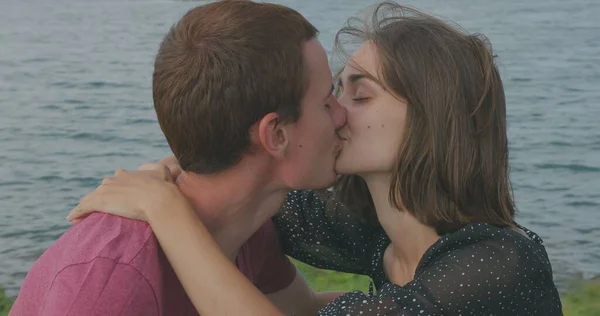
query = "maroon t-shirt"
{"x": 109, "y": 265}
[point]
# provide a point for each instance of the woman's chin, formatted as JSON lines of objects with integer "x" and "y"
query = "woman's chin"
{"x": 342, "y": 168}
{"x": 341, "y": 173}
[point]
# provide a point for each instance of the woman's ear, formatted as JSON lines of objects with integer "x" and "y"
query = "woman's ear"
{"x": 272, "y": 135}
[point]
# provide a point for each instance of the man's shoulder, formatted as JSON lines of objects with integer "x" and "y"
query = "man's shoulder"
{"x": 102, "y": 237}
{"x": 106, "y": 236}
{"x": 94, "y": 263}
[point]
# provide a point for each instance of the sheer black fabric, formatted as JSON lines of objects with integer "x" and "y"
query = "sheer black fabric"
{"x": 479, "y": 270}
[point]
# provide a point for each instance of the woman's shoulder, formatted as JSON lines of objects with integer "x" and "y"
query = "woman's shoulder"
{"x": 475, "y": 235}
{"x": 493, "y": 266}
{"x": 517, "y": 248}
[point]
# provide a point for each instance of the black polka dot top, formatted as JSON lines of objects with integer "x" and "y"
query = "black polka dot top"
{"x": 480, "y": 269}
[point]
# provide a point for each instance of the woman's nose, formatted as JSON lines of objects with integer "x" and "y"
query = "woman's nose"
{"x": 338, "y": 114}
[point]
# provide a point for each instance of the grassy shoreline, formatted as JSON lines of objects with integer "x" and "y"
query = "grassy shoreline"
{"x": 5, "y": 303}
{"x": 581, "y": 299}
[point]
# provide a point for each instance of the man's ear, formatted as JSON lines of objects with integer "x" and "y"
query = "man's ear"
{"x": 272, "y": 135}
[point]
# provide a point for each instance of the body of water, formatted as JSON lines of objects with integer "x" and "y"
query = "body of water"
{"x": 75, "y": 98}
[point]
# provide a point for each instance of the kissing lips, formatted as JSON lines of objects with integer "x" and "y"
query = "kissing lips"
{"x": 338, "y": 149}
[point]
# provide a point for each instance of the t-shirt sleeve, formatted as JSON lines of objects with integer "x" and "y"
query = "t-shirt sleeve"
{"x": 318, "y": 230}
{"x": 274, "y": 270}
{"x": 100, "y": 287}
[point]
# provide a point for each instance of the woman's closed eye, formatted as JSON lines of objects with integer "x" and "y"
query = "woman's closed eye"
{"x": 361, "y": 94}
{"x": 360, "y": 99}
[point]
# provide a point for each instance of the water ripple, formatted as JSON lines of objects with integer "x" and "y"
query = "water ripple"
{"x": 569, "y": 167}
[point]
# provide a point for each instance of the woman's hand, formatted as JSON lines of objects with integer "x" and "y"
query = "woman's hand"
{"x": 169, "y": 162}
{"x": 133, "y": 194}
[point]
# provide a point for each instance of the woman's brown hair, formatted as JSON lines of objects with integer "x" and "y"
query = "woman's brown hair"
{"x": 452, "y": 167}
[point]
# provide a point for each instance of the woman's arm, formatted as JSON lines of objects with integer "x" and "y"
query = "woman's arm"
{"x": 211, "y": 281}
{"x": 316, "y": 229}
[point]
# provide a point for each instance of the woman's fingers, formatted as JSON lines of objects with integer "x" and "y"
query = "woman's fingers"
{"x": 157, "y": 170}
{"x": 80, "y": 211}
{"x": 147, "y": 166}
{"x": 77, "y": 215}
{"x": 129, "y": 194}
{"x": 175, "y": 171}
{"x": 120, "y": 172}
{"x": 173, "y": 165}
{"x": 92, "y": 202}
{"x": 169, "y": 160}
{"x": 115, "y": 200}
{"x": 106, "y": 181}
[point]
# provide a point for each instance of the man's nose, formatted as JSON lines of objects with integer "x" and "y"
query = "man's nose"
{"x": 338, "y": 114}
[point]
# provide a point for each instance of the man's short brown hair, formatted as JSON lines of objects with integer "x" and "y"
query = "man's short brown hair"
{"x": 219, "y": 70}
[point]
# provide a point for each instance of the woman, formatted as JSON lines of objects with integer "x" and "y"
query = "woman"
{"x": 425, "y": 160}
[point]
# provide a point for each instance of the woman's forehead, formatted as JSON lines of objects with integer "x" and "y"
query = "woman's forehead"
{"x": 364, "y": 59}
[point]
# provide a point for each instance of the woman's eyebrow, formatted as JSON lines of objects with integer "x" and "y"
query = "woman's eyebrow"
{"x": 353, "y": 78}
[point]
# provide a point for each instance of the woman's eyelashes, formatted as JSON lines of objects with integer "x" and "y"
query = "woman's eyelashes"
{"x": 360, "y": 99}
{"x": 356, "y": 94}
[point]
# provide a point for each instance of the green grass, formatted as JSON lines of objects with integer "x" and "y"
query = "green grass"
{"x": 325, "y": 280}
{"x": 5, "y": 303}
{"x": 581, "y": 299}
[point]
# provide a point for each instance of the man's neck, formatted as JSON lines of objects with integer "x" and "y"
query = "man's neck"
{"x": 233, "y": 204}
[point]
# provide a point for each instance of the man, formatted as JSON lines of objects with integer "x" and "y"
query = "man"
{"x": 242, "y": 92}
